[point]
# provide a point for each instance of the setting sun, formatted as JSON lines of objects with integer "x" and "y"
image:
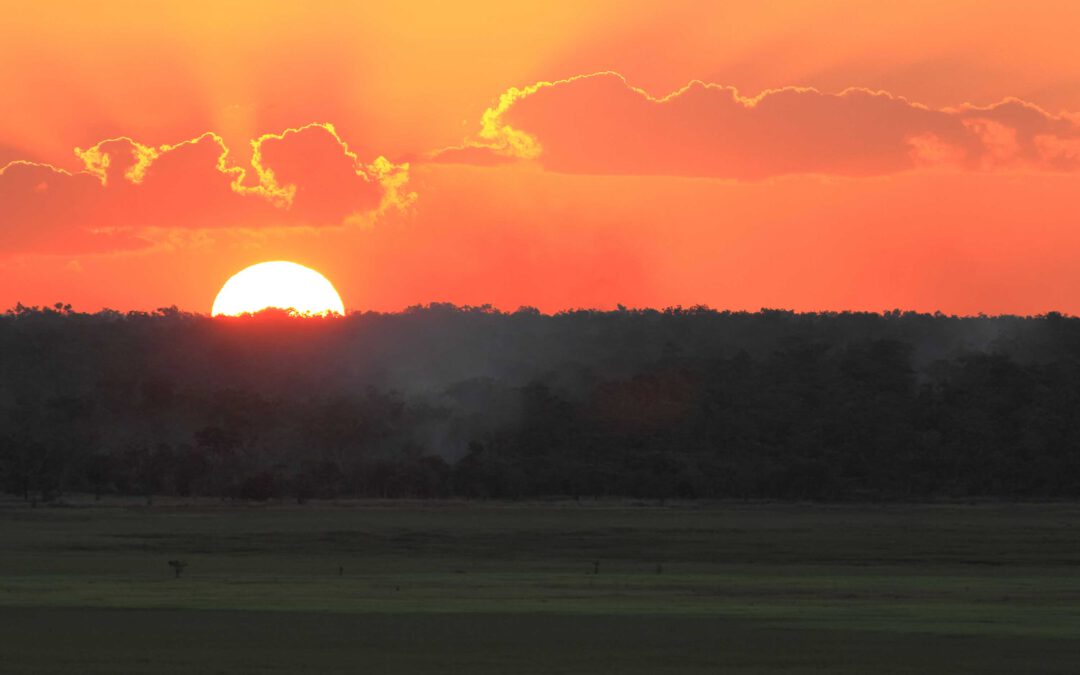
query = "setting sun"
{"x": 280, "y": 284}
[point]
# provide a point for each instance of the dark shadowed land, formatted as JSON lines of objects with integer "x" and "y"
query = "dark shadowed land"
{"x": 443, "y": 402}
{"x": 464, "y": 490}
{"x": 541, "y": 587}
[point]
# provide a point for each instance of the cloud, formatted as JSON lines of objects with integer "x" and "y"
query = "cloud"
{"x": 599, "y": 124}
{"x": 305, "y": 176}
{"x": 40, "y": 203}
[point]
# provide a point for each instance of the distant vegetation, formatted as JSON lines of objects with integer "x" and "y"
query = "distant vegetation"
{"x": 442, "y": 401}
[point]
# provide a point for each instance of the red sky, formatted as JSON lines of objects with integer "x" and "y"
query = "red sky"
{"x": 805, "y": 155}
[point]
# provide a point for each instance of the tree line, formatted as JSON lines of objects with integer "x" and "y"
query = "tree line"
{"x": 444, "y": 401}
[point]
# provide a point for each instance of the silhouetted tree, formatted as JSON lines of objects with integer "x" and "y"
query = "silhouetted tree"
{"x": 441, "y": 401}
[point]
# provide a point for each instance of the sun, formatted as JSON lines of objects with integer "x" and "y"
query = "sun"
{"x": 280, "y": 284}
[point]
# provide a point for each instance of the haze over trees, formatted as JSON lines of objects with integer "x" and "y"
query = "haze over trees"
{"x": 441, "y": 401}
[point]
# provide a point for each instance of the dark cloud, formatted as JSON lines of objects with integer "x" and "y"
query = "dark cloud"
{"x": 302, "y": 177}
{"x": 599, "y": 124}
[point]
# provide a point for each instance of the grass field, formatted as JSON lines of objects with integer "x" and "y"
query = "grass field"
{"x": 511, "y": 588}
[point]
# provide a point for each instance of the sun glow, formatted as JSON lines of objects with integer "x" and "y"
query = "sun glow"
{"x": 279, "y": 284}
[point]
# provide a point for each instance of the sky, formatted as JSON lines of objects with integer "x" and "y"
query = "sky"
{"x": 824, "y": 155}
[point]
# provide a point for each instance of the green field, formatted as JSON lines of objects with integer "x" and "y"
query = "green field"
{"x": 437, "y": 587}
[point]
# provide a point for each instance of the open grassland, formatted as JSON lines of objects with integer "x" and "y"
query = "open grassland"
{"x": 432, "y": 587}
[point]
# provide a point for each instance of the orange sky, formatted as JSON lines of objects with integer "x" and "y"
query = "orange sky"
{"x": 806, "y": 155}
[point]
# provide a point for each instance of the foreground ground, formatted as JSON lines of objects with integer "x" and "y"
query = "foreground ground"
{"x": 539, "y": 588}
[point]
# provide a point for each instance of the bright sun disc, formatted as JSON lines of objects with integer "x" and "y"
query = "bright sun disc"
{"x": 280, "y": 284}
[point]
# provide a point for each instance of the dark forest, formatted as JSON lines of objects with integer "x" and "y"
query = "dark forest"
{"x": 440, "y": 401}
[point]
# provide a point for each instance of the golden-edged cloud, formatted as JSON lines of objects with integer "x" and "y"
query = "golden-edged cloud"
{"x": 600, "y": 124}
{"x": 305, "y": 176}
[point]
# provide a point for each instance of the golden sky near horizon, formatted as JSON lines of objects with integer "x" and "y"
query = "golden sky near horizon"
{"x": 806, "y": 155}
